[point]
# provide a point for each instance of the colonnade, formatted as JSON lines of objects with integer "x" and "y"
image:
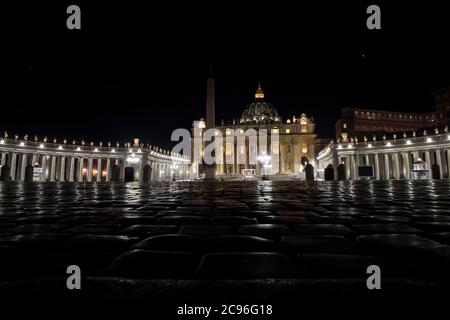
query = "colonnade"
{"x": 87, "y": 164}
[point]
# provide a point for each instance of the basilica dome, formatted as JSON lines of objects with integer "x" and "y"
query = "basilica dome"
{"x": 259, "y": 111}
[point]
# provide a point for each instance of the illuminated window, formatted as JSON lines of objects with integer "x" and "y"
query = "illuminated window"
{"x": 304, "y": 148}
{"x": 344, "y": 126}
{"x": 275, "y": 130}
{"x": 288, "y": 130}
{"x": 228, "y": 132}
{"x": 303, "y": 129}
{"x": 288, "y": 121}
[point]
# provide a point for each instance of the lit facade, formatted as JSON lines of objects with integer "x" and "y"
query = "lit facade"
{"x": 289, "y": 145}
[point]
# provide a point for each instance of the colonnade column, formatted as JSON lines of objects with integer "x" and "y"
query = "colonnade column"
{"x": 89, "y": 170}
{"x": 407, "y": 167}
{"x": 108, "y": 168}
{"x": 448, "y": 163}
{"x": 99, "y": 170}
{"x": 13, "y": 166}
{"x": 23, "y": 165}
{"x": 377, "y": 167}
{"x": 439, "y": 162}
{"x": 348, "y": 167}
{"x": 3, "y": 159}
{"x": 80, "y": 169}
{"x": 396, "y": 166}
{"x": 44, "y": 167}
{"x": 62, "y": 169}
{"x": 71, "y": 168}
{"x": 53, "y": 168}
{"x": 428, "y": 161}
{"x": 386, "y": 166}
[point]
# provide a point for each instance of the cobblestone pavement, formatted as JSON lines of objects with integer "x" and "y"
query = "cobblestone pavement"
{"x": 228, "y": 230}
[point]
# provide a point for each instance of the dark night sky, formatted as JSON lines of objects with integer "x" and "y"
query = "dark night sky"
{"x": 141, "y": 71}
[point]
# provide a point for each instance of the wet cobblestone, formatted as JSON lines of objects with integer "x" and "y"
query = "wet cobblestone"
{"x": 227, "y": 230}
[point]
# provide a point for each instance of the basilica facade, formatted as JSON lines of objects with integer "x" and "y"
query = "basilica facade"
{"x": 281, "y": 146}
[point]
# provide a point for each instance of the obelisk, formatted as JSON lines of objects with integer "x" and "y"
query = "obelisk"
{"x": 210, "y": 170}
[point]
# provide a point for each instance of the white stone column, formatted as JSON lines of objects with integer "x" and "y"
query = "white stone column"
{"x": 428, "y": 162}
{"x": 348, "y": 168}
{"x": 355, "y": 161}
{"x": 386, "y": 166}
{"x": 13, "y": 166}
{"x": 439, "y": 163}
{"x": 3, "y": 159}
{"x": 366, "y": 159}
{"x": 407, "y": 167}
{"x": 397, "y": 166}
{"x": 108, "y": 169}
{"x": 62, "y": 169}
{"x": 89, "y": 170}
{"x": 99, "y": 170}
{"x": 23, "y": 165}
{"x": 71, "y": 169}
{"x": 44, "y": 168}
{"x": 52, "y": 168}
{"x": 377, "y": 167}
{"x": 80, "y": 169}
{"x": 448, "y": 163}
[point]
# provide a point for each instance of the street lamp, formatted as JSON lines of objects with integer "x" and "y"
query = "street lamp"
{"x": 264, "y": 160}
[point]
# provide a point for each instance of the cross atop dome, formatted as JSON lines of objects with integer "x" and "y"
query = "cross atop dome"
{"x": 259, "y": 93}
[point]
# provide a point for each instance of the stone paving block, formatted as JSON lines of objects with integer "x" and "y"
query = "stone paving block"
{"x": 385, "y": 219}
{"x": 94, "y": 228}
{"x": 317, "y": 244}
{"x": 265, "y": 230}
{"x": 132, "y": 219}
{"x": 206, "y": 230}
{"x": 233, "y": 220}
{"x": 379, "y": 228}
{"x": 35, "y": 228}
{"x": 102, "y": 243}
{"x": 141, "y": 230}
{"x": 434, "y": 226}
{"x": 154, "y": 264}
{"x": 441, "y": 237}
{"x": 345, "y": 220}
{"x": 180, "y": 220}
{"x": 395, "y": 241}
{"x": 234, "y": 243}
{"x": 430, "y": 217}
{"x": 34, "y": 239}
{"x": 323, "y": 229}
{"x": 245, "y": 265}
{"x": 284, "y": 219}
{"x": 173, "y": 242}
